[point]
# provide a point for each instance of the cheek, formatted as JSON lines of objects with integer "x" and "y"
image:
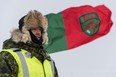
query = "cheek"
{"x": 37, "y": 33}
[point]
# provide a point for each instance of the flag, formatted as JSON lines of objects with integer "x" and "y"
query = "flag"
{"x": 76, "y": 26}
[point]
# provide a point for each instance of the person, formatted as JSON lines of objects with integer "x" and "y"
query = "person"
{"x": 23, "y": 54}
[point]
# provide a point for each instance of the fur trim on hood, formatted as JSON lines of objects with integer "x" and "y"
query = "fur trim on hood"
{"x": 33, "y": 19}
{"x": 18, "y": 36}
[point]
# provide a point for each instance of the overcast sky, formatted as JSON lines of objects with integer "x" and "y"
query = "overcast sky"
{"x": 94, "y": 59}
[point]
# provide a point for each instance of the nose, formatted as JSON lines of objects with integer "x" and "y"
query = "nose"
{"x": 38, "y": 32}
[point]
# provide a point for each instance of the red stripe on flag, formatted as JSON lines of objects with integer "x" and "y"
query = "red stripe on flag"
{"x": 74, "y": 34}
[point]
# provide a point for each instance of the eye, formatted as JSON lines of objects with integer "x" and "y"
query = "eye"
{"x": 33, "y": 28}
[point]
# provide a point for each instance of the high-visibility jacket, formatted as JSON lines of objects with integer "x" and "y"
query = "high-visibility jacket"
{"x": 31, "y": 66}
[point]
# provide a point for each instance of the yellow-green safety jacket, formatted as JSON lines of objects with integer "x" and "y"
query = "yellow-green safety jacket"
{"x": 31, "y": 66}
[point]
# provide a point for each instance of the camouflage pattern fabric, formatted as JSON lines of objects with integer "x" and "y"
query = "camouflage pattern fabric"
{"x": 8, "y": 65}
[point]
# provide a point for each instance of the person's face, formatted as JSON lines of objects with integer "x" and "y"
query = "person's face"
{"x": 36, "y": 32}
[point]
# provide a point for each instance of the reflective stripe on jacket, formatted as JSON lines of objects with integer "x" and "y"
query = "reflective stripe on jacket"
{"x": 32, "y": 67}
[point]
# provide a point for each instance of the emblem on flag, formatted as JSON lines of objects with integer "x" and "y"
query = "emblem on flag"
{"x": 90, "y": 23}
